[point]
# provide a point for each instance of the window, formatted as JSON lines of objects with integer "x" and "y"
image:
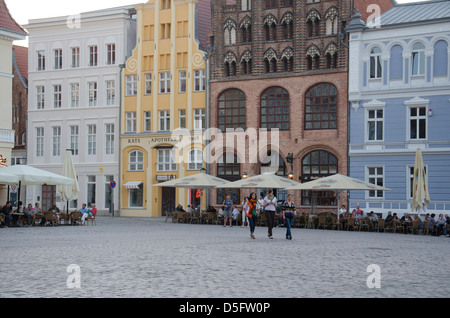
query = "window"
{"x": 166, "y": 160}
{"x": 57, "y": 96}
{"x": 321, "y": 107}
{"x": 136, "y": 161}
{"x": 417, "y": 123}
{"x": 109, "y": 139}
{"x": 93, "y": 55}
{"x": 195, "y": 159}
{"x": 41, "y": 60}
{"x": 288, "y": 30}
{"x": 74, "y": 137}
{"x": 136, "y": 197}
{"x": 165, "y": 30}
{"x": 182, "y": 118}
{"x": 199, "y": 119}
{"x": 229, "y": 33}
{"x": 110, "y": 54}
{"x": 164, "y": 120}
{"x": 246, "y": 5}
{"x": 92, "y": 139}
{"x": 165, "y": 4}
{"x": 40, "y": 142}
{"x": 164, "y": 82}
{"x": 246, "y": 31}
{"x": 91, "y": 180}
{"x": 286, "y": 3}
{"x": 375, "y": 175}
{"x": 110, "y": 93}
{"x": 313, "y": 23}
{"x": 270, "y": 61}
{"x": 58, "y": 59}
{"x": 131, "y": 85}
{"x": 396, "y": 63}
{"x": 182, "y": 82}
{"x": 130, "y": 122}
{"x": 232, "y": 110}
{"x": 75, "y": 61}
{"x": 418, "y": 59}
{"x": 270, "y": 28}
{"x": 148, "y": 121}
{"x": 40, "y": 97}
{"x": 375, "y": 63}
{"x": 318, "y": 163}
{"x": 440, "y": 58}
{"x": 375, "y": 124}
{"x": 331, "y": 21}
{"x": 92, "y": 87}
{"x": 148, "y": 84}
{"x": 75, "y": 95}
{"x": 56, "y": 141}
{"x": 199, "y": 80}
{"x": 275, "y": 108}
{"x": 230, "y": 68}
{"x": 228, "y": 168}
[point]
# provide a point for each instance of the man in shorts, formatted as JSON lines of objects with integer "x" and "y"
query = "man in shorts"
{"x": 227, "y": 204}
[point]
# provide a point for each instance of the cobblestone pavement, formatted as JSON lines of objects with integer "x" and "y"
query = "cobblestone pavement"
{"x": 142, "y": 258}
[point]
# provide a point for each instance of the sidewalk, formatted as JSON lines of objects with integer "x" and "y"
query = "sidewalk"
{"x": 123, "y": 257}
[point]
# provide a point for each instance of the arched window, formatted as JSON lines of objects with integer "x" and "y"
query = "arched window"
{"x": 376, "y": 69}
{"x": 313, "y": 23}
{"x": 270, "y": 61}
{"x": 270, "y": 27}
{"x": 195, "y": 159}
{"x": 287, "y": 22}
{"x": 229, "y": 32}
{"x": 331, "y": 56}
{"x": 230, "y": 65}
{"x": 246, "y": 29}
{"x": 273, "y": 162}
{"x": 331, "y": 21}
{"x": 316, "y": 164}
{"x": 228, "y": 168}
{"x": 313, "y": 58}
{"x": 136, "y": 161}
{"x": 275, "y": 108}
{"x": 232, "y": 113}
{"x": 321, "y": 107}
{"x": 440, "y": 58}
{"x": 246, "y": 63}
{"x": 246, "y": 5}
{"x": 396, "y": 62}
{"x": 418, "y": 59}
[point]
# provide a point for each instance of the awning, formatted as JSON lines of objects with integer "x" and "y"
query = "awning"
{"x": 133, "y": 184}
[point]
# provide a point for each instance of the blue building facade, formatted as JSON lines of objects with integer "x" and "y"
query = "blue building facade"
{"x": 399, "y": 101}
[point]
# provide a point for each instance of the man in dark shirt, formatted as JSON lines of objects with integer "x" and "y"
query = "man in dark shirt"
{"x": 7, "y": 212}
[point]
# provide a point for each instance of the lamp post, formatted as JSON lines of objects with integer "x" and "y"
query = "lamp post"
{"x": 290, "y": 160}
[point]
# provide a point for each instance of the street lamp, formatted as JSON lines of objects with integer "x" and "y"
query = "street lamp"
{"x": 244, "y": 175}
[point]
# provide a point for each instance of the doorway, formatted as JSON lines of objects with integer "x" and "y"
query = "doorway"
{"x": 168, "y": 200}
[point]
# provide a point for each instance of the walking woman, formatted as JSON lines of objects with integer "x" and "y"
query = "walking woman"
{"x": 270, "y": 206}
{"x": 252, "y": 213}
{"x": 288, "y": 215}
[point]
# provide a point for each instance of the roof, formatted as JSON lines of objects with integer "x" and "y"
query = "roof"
{"x": 20, "y": 60}
{"x": 7, "y": 22}
{"x": 417, "y": 12}
{"x": 204, "y": 22}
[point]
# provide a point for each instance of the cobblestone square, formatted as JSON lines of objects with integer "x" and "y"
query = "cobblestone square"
{"x": 148, "y": 258}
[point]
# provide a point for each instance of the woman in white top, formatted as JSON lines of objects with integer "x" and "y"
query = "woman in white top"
{"x": 270, "y": 206}
{"x": 245, "y": 209}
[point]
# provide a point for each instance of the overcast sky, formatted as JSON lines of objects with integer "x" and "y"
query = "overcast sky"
{"x": 24, "y": 10}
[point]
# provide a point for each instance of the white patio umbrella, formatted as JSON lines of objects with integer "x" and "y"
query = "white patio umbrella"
{"x": 200, "y": 180}
{"x": 421, "y": 196}
{"x": 8, "y": 178}
{"x": 28, "y": 175}
{"x": 337, "y": 183}
{"x": 265, "y": 180}
{"x": 69, "y": 192}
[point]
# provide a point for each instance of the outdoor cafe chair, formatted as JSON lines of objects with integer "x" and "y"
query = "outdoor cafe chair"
{"x": 75, "y": 217}
{"x": 350, "y": 223}
{"x": 195, "y": 217}
{"x": 363, "y": 224}
{"x": 379, "y": 225}
{"x": 50, "y": 217}
{"x": 322, "y": 222}
{"x": 415, "y": 227}
{"x": 91, "y": 218}
{"x": 398, "y": 226}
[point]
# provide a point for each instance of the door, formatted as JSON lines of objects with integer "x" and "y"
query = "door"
{"x": 168, "y": 200}
{"x": 48, "y": 197}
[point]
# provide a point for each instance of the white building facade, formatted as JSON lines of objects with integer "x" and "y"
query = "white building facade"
{"x": 74, "y": 100}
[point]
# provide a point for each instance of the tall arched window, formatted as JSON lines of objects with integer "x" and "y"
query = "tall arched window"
{"x": 229, "y": 32}
{"x": 228, "y": 168}
{"x": 136, "y": 161}
{"x": 376, "y": 70}
{"x": 232, "y": 112}
{"x": 418, "y": 59}
{"x": 321, "y": 107}
{"x": 316, "y": 164}
{"x": 275, "y": 108}
{"x": 440, "y": 58}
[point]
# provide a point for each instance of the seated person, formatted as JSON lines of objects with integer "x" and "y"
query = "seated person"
{"x": 235, "y": 212}
{"x": 84, "y": 212}
{"x": 211, "y": 209}
{"x": 179, "y": 208}
{"x": 29, "y": 213}
{"x": 189, "y": 209}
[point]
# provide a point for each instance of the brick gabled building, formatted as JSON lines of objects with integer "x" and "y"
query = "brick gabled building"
{"x": 283, "y": 64}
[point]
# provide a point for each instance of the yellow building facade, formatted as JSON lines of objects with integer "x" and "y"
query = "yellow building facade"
{"x": 163, "y": 110}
